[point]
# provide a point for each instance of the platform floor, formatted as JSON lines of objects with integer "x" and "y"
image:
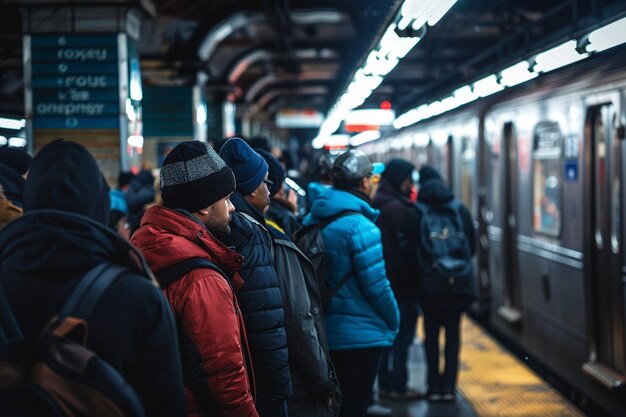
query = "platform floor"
{"x": 492, "y": 383}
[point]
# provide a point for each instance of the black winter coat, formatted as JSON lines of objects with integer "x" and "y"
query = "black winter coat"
{"x": 434, "y": 192}
{"x": 280, "y": 211}
{"x": 312, "y": 372}
{"x": 44, "y": 254}
{"x": 261, "y": 303}
{"x": 399, "y": 225}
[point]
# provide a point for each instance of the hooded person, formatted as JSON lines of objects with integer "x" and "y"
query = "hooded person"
{"x": 260, "y": 296}
{"x": 14, "y": 165}
{"x": 442, "y": 309}
{"x": 362, "y": 317}
{"x": 63, "y": 235}
{"x": 398, "y": 225}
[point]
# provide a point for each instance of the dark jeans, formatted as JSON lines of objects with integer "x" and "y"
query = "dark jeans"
{"x": 392, "y": 373}
{"x": 433, "y": 321}
{"x": 356, "y": 371}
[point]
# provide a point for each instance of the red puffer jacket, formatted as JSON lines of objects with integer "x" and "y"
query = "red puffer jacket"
{"x": 206, "y": 309}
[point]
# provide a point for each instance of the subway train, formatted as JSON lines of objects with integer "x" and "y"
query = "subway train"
{"x": 542, "y": 168}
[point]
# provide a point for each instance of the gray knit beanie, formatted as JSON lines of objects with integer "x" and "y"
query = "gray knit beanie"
{"x": 193, "y": 177}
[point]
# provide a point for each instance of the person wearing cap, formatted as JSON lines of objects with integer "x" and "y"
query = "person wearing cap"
{"x": 260, "y": 297}
{"x": 398, "y": 225}
{"x": 196, "y": 186}
{"x": 362, "y": 318}
{"x": 62, "y": 236}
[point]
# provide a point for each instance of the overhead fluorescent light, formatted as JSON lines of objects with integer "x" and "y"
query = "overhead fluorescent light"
{"x": 3, "y": 141}
{"x": 441, "y": 10}
{"x": 17, "y": 142}
{"x": 12, "y": 124}
{"x": 135, "y": 141}
{"x": 487, "y": 86}
{"x": 379, "y": 117}
{"x": 516, "y": 74}
{"x": 607, "y": 37}
{"x": 558, "y": 57}
{"x": 364, "y": 137}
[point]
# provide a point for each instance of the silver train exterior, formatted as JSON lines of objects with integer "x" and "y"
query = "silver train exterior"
{"x": 542, "y": 167}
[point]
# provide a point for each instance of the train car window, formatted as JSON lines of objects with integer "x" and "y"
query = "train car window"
{"x": 616, "y": 196}
{"x": 547, "y": 179}
{"x": 468, "y": 170}
{"x": 600, "y": 164}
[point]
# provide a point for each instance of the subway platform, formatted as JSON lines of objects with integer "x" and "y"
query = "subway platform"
{"x": 492, "y": 383}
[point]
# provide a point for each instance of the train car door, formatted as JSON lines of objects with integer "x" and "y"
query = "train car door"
{"x": 607, "y": 361}
{"x": 510, "y": 308}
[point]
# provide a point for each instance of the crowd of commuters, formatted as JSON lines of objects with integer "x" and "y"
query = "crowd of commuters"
{"x": 217, "y": 310}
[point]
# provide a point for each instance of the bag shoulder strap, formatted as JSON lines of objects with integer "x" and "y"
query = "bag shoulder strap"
{"x": 174, "y": 272}
{"x": 337, "y": 287}
{"x": 337, "y": 216}
{"x": 90, "y": 288}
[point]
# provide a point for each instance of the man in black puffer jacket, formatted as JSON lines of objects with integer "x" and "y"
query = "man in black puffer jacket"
{"x": 259, "y": 297}
{"x": 62, "y": 235}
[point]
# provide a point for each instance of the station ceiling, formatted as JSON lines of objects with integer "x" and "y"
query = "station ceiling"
{"x": 267, "y": 54}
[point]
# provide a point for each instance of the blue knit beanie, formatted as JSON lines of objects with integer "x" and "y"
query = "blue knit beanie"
{"x": 276, "y": 172}
{"x": 249, "y": 167}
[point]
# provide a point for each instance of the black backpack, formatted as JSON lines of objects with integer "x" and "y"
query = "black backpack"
{"x": 65, "y": 378}
{"x": 309, "y": 240}
{"x": 444, "y": 254}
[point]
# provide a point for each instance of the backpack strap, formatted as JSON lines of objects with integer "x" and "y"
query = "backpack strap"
{"x": 174, "y": 272}
{"x": 322, "y": 224}
{"x": 90, "y": 288}
{"x": 337, "y": 287}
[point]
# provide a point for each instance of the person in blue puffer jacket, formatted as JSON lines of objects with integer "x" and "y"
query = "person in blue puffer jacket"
{"x": 362, "y": 318}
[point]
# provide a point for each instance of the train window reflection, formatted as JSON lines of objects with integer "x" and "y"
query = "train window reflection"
{"x": 600, "y": 178}
{"x": 616, "y": 196}
{"x": 547, "y": 179}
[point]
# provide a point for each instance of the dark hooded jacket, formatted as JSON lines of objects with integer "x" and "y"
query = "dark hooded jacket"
{"x": 261, "y": 302}
{"x": 13, "y": 184}
{"x": 398, "y": 223}
{"x": 435, "y": 192}
{"x": 282, "y": 212}
{"x": 312, "y": 372}
{"x": 45, "y": 253}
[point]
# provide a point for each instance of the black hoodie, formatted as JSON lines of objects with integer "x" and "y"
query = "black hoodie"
{"x": 434, "y": 192}
{"x": 44, "y": 254}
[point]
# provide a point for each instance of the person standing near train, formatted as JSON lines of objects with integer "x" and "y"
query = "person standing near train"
{"x": 362, "y": 317}
{"x": 398, "y": 223}
{"x": 446, "y": 245}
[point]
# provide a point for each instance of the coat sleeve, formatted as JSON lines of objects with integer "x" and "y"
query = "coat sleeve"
{"x": 209, "y": 319}
{"x": 369, "y": 266}
{"x": 157, "y": 366}
{"x": 304, "y": 344}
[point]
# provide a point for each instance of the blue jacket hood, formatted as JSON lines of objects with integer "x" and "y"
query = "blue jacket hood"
{"x": 332, "y": 201}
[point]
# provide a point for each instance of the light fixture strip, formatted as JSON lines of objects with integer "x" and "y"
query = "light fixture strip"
{"x": 383, "y": 59}
{"x": 606, "y": 37}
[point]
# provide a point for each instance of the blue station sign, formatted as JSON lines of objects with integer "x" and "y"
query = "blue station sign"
{"x": 75, "y": 81}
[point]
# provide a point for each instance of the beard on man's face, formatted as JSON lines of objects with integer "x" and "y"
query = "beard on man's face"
{"x": 220, "y": 231}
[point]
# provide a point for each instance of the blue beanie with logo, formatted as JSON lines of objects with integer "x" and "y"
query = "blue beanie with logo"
{"x": 249, "y": 167}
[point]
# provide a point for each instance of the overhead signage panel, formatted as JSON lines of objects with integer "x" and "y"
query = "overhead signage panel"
{"x": 75, "y": 81}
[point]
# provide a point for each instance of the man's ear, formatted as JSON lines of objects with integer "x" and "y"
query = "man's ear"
{"x": 204, "y": 212}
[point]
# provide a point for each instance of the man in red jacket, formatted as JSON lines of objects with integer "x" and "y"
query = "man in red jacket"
{"x": 196, "y": 186}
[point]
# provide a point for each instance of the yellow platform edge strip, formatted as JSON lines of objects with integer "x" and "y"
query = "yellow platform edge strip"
{"x": 498, "y": 384}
